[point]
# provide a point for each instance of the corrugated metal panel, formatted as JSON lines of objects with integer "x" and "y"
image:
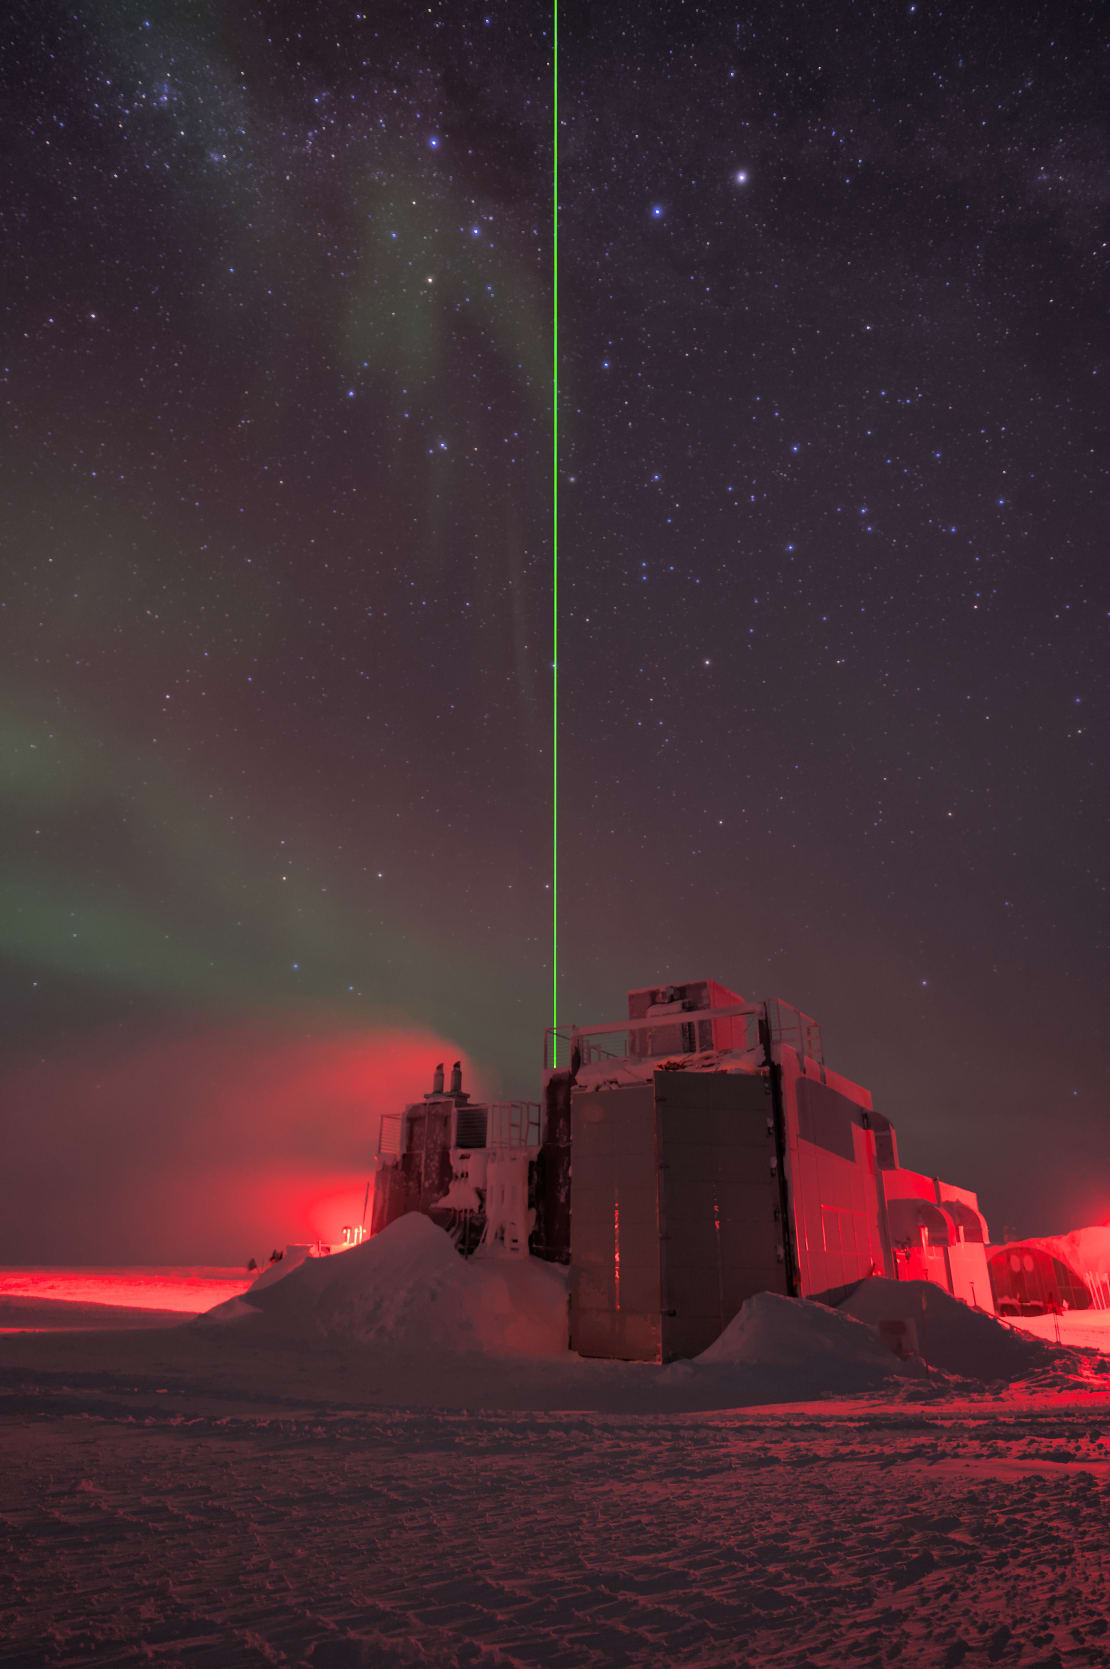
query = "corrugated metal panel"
{"x": 720, "y": 1196}
{"x": 614, "y": 1287}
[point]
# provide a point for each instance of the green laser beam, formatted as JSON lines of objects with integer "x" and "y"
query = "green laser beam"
{"x": 555, "y": 538}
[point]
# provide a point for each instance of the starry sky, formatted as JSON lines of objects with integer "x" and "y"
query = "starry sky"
{"x": 276, "y": 576}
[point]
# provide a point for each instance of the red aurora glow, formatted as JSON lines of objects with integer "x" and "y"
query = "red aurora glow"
{"x": 210, "y": 1147}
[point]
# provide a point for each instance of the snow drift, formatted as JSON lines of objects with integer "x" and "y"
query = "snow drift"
{"x": 415, "y": 1323}
{"x": 291, "y": 1258}
{"x": 951, "y": 1335}
{"x": 792, "y": 1349}
{"x": 406, "y": 1295}
{"x": 408, "y": 1291}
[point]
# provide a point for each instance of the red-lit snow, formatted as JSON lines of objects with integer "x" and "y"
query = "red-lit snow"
{"x": 1081, "y": 1329}
{"x": 408, "y": 1290}
{"x": 160, "y": 1529}
{"x": 952, "y": 1336}
{"x": 187, "y": 1289}
{"x": 788, "y": 1349}
{"x": 40, "y": 1298}
{"x": 291, "y": 1258}
{"x": 241, "y": 1494}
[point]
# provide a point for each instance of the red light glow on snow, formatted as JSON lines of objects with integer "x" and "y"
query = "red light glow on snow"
{"x": 188, "y": 1291}
{"x": 216, "y": 1146}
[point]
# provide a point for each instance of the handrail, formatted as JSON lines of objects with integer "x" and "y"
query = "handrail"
{"x": 785, "y": 1023}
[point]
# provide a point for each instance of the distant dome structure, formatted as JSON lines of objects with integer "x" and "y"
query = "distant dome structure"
{"x": 1030, "y": 1280}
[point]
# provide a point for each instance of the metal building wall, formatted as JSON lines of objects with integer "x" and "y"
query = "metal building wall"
{"x": 615, "y": 1300}
{"x": 719, "y": 1190}
{"x": 835, "y": 1182}
{"x": 675, "y": 1217}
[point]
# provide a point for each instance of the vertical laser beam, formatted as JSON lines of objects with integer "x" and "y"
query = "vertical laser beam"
{"x": 555, "y": 534}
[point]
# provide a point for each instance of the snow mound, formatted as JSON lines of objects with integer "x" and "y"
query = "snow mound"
{"x": 951, "y": 1335}
{"x": 291, "y": 1258}
{"x": 792, "y": 1349}
{"x": 407, "y": 1291}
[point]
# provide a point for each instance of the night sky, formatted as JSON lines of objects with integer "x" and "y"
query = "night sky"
{"x": 276, "y": 577}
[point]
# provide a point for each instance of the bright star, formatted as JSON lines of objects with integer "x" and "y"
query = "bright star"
{"x": 742, "y": 177}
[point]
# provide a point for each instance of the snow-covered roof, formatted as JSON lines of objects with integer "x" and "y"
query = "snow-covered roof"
{"x": 639, "y": 1069}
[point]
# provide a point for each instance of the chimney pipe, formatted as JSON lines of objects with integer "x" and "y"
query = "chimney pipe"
{"x": 456, "y": 1078}
{"x": 437, "y": 1081}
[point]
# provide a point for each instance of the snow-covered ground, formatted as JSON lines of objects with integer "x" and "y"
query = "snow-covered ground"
{"x": 1083, "y": 1329}
{"x": 388, "y": 1458}
{"x": 42, "y": 1297}
{"x": 152, "y": 1530}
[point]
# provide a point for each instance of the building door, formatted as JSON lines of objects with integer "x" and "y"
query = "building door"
{"x": 721, "y": 1234}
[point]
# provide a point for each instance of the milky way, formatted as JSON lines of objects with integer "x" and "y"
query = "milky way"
{"x": 277, "y": 563}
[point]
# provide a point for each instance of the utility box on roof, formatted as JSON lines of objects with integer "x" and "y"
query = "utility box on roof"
{"x": 679, "y": 1029}
{"x": 677, "y": 1212}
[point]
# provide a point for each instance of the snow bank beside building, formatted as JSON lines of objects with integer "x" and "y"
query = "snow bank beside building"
{"x": 291, "y": 1258}
{"x": 794, "y": 1349}
{"x": 408, "y": 1291}
{"x": 406, "y": 1297}
{"x": 951, "y": 1335}
{"x": 404, "y": 1321}
{"x": 408, "y": 1306}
